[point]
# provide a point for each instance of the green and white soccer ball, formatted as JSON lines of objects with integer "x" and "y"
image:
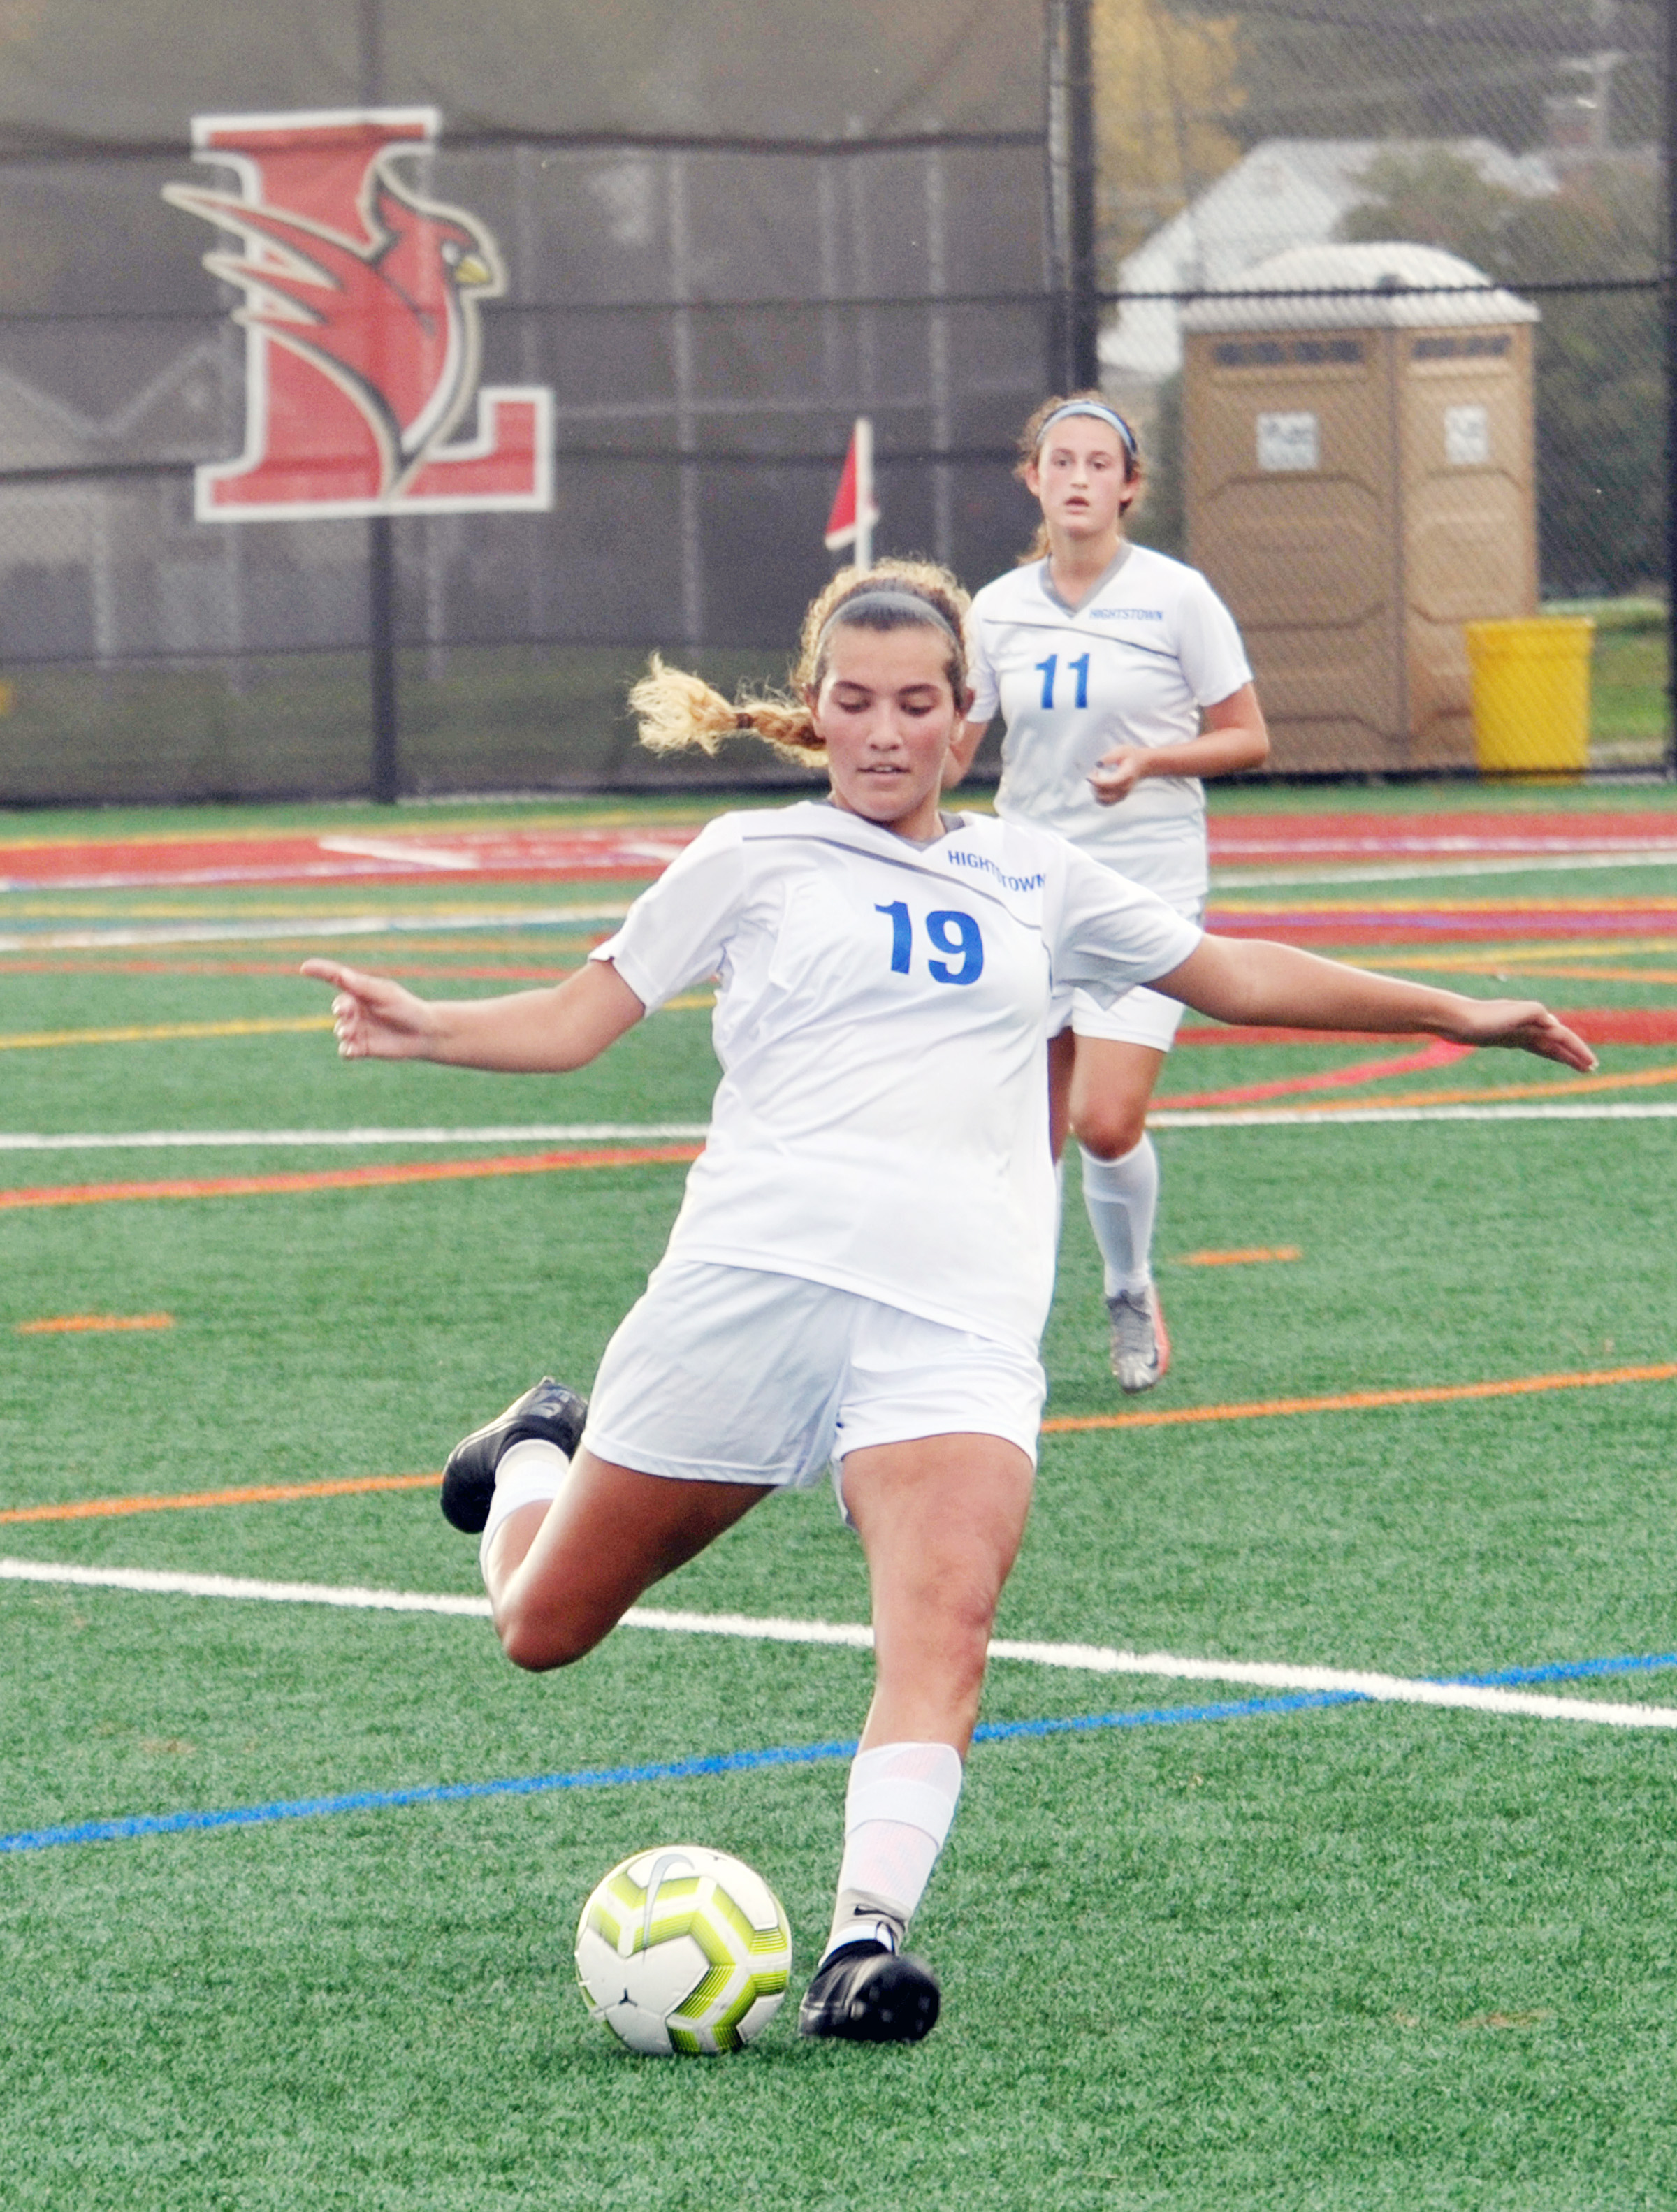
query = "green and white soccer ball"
{"x": 683, "y": 1949}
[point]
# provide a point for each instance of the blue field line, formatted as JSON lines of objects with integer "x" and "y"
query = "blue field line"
{"x": 1565, "y": 1670}
{"x": 602, "y": 1777}
{"x": 741, "y": 1762}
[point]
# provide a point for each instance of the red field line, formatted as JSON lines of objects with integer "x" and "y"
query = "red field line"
{"x": 94, "y": 1194}
{"x": 1356, "y": 836}
{"x": 1596, "y": 1025}
{"x": 1439, "y": 1054}
{"x": 1398, "y": 926}
{"x": 265, "y": 1493}
{"x": 503, "y": 854}
{"x": 1357, "y": 1402}
{"x": 558, "y": 853}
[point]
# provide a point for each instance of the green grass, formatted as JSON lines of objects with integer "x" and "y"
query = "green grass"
{"x": 1358, "y": 1957}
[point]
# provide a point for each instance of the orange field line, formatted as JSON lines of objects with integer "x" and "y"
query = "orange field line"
{"x": 1642, "y": 1079}
{"x": 76, "y": 1324}
{"x": 1251, "y": 1256}
{"x": 276, "y": 1493}
{"x": 265, "y": 1493}
{"x": 1356, "y": 1402}
{"x": 257, "y": 1186}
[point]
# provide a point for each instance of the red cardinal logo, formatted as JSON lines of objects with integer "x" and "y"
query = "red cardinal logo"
{"x": 362, "y": 298}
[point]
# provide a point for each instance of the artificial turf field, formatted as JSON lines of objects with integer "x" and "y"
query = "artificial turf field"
{"x": 1303, "y": 1954}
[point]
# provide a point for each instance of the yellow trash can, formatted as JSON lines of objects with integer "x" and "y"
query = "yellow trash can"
{"x": 1531, "y": 693}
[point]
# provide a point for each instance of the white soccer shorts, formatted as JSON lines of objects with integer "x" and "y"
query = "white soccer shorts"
{"x": 1141, "y": 1016}
{"x": 724, "y": 1374}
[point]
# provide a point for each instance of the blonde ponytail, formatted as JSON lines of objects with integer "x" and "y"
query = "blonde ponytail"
{"x": 676, "y": 710}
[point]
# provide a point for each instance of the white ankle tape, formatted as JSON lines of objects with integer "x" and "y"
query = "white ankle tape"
{"x": 917, "y": 1783}
{"x": 531, "y": 1473}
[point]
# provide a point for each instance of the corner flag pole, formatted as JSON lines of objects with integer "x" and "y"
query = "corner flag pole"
{"x": 855, "y": 510}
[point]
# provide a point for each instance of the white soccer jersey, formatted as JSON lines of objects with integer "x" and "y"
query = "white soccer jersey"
{"x": 1150, "y": 646}
{"x": 882, "y": 1120}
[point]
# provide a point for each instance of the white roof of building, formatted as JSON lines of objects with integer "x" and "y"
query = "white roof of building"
{"x": 1387, "y": 286}
{"x": 1285, "y": 192}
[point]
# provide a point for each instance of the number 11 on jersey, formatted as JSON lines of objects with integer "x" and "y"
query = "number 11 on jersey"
{"x": 1079, "y": 668}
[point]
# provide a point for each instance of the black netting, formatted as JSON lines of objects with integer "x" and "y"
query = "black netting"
{"x": 729, "y": 229}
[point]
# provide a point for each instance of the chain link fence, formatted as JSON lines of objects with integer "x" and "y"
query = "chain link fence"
{"x": 721, "y": 246}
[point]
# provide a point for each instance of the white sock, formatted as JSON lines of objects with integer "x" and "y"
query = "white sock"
{"x": 532, "y": 1472}
{"x": 897, "y": 1810}
{"x": 1121, "y": 1198}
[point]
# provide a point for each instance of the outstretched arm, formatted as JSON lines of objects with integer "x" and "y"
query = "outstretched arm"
{"x": 526, "y": 1033}
{"x": 1250, "y": 981}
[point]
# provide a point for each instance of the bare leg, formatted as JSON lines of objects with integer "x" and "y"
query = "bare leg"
{"x": 941, "y": 1521}
{"x": 560, "y": 1576}
{"x": 1111, "y": 1084}
{"x": 1062, "y": 1058}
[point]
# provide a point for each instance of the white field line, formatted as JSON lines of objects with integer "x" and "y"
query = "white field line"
{"x": 1319, "y": 1117}
{"x": 511, "y": 1133}
{"x": 308, "y": 926}
{"x": 1079, "y": 1658}
{"x": 587, "y": 1133}
{"x": 1375, "y": 872}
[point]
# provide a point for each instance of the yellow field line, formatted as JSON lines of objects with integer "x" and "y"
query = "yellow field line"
{"x": 1356, "y": 1402}
{"x": 1412, "y": 905}
{"x": 1559, "y": 971}
{"x": 1484, "y": 959}
{"x": 38, "y": 1040}
{"x": 34, "y": 1041}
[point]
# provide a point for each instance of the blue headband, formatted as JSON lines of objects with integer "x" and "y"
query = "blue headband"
{"x": 891, "y": 601}
{"x": 1102, "y": 413}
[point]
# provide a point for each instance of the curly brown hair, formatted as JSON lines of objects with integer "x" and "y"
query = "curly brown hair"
{"x": 1031, "y": 437}
{"x": 675, "y": 709}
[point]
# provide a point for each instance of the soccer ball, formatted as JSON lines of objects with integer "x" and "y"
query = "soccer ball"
{"x": 683, "y": 1949}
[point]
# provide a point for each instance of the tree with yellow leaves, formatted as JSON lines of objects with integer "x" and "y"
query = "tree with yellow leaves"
{"x": 1166, "y": 89}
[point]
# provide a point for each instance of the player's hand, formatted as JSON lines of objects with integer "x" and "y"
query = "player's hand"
{"x": 375, "y": 1019}
{"x": 1117, "y": 774}
{"x": 1529, "y": 1026}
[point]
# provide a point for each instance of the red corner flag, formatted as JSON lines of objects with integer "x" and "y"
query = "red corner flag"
{"x": 855, "y": 511}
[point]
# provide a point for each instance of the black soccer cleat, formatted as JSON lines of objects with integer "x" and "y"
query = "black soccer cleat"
{"x": 549, "y": 1411}
{"x": 867, "y": 1994}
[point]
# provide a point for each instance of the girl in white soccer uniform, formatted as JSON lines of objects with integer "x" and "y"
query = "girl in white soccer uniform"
{"x": 1121, "y": 680}
{"x": 864, "y": 1258}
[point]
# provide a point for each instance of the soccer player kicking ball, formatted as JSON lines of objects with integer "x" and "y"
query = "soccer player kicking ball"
{"x": 864, "y": 1258}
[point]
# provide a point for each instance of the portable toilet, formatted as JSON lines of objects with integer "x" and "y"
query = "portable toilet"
{"x": 1360, "y": 482}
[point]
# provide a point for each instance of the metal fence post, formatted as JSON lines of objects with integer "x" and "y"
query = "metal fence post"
{"x": 1669, "y": 154}
{"x": 386, "y": 746}
{"x": 1073, "y": 280}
